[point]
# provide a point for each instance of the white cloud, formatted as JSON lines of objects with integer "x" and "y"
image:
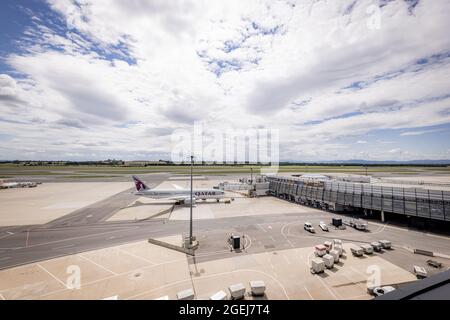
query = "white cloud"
{"x": 419, "y": 133}
{"x": 124, "y": 74}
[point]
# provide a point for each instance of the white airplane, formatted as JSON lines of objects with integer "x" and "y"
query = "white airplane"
{"x": 179, "y": 194}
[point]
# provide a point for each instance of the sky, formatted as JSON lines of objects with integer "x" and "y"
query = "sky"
{"x": 339, "y": 79}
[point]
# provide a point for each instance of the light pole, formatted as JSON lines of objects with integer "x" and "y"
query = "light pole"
{"x": 190, "y": 222}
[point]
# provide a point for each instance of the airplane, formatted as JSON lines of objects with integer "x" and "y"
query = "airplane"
{"x": 180, "y": 195}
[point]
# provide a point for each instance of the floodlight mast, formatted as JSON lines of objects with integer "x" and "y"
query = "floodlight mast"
{"x": 190, "y": 222}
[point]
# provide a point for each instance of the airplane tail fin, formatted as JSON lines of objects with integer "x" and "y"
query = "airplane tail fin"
{"x": 139, "y": 184}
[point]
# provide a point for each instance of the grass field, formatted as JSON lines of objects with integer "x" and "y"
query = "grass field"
{"x": 88, "y": 171}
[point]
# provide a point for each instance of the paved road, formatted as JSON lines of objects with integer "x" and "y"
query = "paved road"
{"x": 264, "y": 233}
{"x": 91, "y": 214}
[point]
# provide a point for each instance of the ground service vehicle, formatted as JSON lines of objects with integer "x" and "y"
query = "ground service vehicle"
{"x": 308, "y": 227}
{"x": 357, "y": 251}
{"x": 323, "y": 226}
{"x": 376, "y": 246}
{"x": 379, "y": 291}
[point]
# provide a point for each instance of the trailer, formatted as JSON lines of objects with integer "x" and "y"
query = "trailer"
{"x": 335, "y": 254}
{"x": 368, "y": 249}
{"x": 339, "y": 249}
{"x": 186, "y": 295}
{"x": 221, "y": 295}
{"x": 434, "y": 263}
{"x": 361, "y": 225}
{"x": 320, "y": 250}
{"x": 328, "y": 245}
{"x": 317, "y": 265}
{"x": 257, "y": 288}
{"x": 328, "y": 259}
{"x": 358, "y": 224}
{"x": 237, "y": 291}
{"x": 386, "y": 244}
{"x": 357, "y": 251}
{"x": 376, "y": 246}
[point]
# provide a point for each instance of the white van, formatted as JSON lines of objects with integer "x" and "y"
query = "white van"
{"x": 308, "y": 227}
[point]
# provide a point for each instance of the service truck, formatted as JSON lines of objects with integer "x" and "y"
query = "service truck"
{"x": 356, "y": 250}
{"x": 358, "y": 224}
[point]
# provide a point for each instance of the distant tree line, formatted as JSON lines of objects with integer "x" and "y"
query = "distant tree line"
{"x": 114, "y": 162}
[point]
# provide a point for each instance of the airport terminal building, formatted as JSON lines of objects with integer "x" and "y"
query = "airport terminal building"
{"x": 342, "y": 196}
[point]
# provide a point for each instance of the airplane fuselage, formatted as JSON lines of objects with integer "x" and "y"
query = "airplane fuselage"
{"x": 168, "y": 193}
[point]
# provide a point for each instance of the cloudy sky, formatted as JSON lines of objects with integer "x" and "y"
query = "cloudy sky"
{"x": 350, "y": 79}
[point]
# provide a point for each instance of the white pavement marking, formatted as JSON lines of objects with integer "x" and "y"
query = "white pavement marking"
{"x": 441, "y": 255}
{"x": 7, "y": 235}
{"x": 380, "y": 229}
{"x": 250, "y": 242}
{"x": 309, "y": 294}
{"x": 84, "y": 285}
{"x": 392, "y": 227}
{"x": 357, "y": 297}
{"x": 212, "y": 276}
{"x": 289, "y": 241}
{"x": 202, "y": 255}
{"x": 136, "y": 256}
{"x": 74, "y": 238}
{"x": 28, "y": 236}
{"x": 358, "y": 284}
{"x": 160, "y": 264}
{"x": 436, "y": 236}
{"x": 59, "y": 255}
{"x": 260, "y": 227}
{"x": 62, "y": 247}
{"x": 2, "y": 297}
{"x": 270, "y": 260}
{"x": 407, "y": 250}
{"x": 51, "y": 274}
{"x": 328, "y": 289}
{"x": 98, "y": 265}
